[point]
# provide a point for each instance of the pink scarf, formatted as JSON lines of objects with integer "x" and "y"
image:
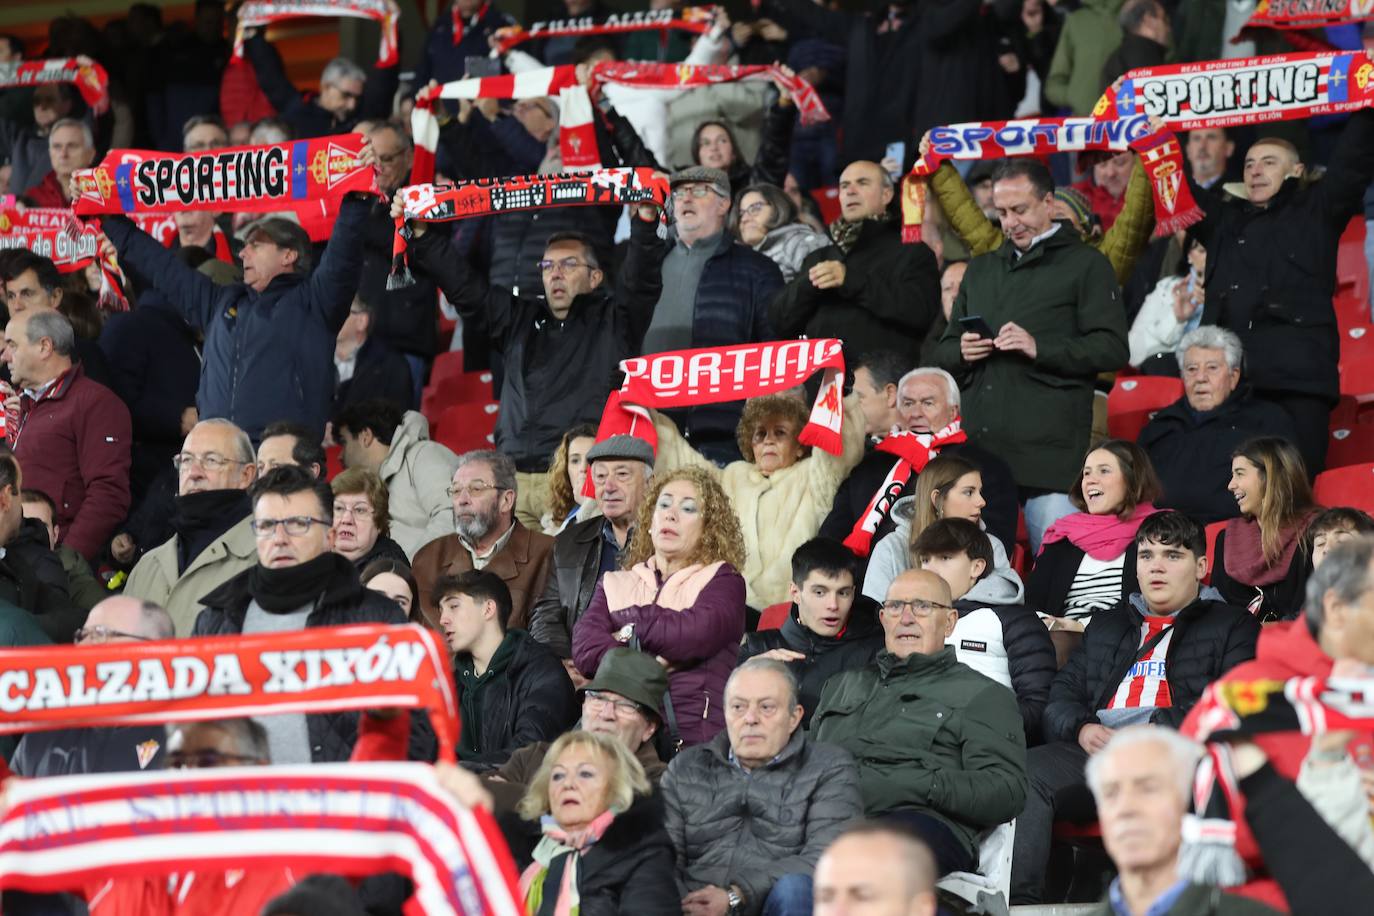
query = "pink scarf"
{"x": 1102, "y": 537}
{"x": 1245, "y": 561}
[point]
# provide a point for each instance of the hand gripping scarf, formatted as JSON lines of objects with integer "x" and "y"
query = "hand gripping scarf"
{"x": 321, "y": 669}
{"x": 913, "y": 451}
{"x": 258, "y": 179}
{"x": 355, "y": 819}
{"x": 1251, "y": 90}
{"x": 1229, "y": 709}
{"x": 1309, "y": 14}
{"x": 713, "y": 375}
{"x": 485, "y": 196}
{"x": 1160, "y": 154}
{"x": 69, "y": 243}
{"x": 696, "y": 19}
{"x": 576, "y": 133}
{"x": 89, "y": 78}
{"x": 258, "y": 13}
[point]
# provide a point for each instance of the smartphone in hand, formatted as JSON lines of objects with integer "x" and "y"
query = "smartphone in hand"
{"x": 974, "y": 324}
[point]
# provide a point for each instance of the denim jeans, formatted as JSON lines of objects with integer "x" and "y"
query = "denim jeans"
{"x": 790, "y": 896}
{"x": 1043, "y": 511}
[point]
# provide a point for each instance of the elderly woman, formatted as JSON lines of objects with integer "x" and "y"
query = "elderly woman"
{"x": 680, "y": 598}
{"x": 604, "y": 851}
{"x": 781, "y": 491}
{"x": 361, "y": 522}
{"x": 765, "y": 219}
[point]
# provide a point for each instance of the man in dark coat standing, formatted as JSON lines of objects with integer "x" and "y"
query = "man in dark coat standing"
{"x": 1271, "y": 271}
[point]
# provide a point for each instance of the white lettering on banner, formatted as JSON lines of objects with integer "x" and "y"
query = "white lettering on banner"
{"x": 726, "y": 371}
{"x": 1021, "y": 138}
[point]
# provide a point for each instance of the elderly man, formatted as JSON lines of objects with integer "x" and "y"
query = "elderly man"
{"x": 212, "y": 526}
{"x": 71, "y": 146}
{"x": 868, "y": 289}
{"x": 1191, "y": 441}
{"x": 940, "y": 747}
{"x": 750, "y": 811}
{"x": 286, "y": 443}
{"x": 73, "y": 434}
{"x": 856, "y": 872}
{"x": 560, "y": 350}
{"x": 1281, "y": 306}
{"x": 394, "y": 444}
{"x": 487, "y": 536}
{"x": 928, "y": 405}
{"x": 299, "y": 583}
{"x": 715, "y": 292}
{"x": 33, "y": 282}
{"x": 1208, "y": 151}
{"x": 1147, "y": 660}
{"x": 622, "y": 467}
{"x": 1052, "y": 307}
{"x": 116, "y": 749}
{"x": 269, "y": 341}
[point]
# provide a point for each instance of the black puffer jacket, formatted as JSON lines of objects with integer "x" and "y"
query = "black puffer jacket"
{"x": 629, "y": 871}
{"x": 1271, "y": 271}
{"x": 343, "y": 602}
{"x": 529, "y": 699}
{"x": 570, "y": 586}
{"x": 825, "y": 655}
{"x": 988, "y": 636}
{"x": 1191, "y": 451}
{"x": 1210, "y": 638}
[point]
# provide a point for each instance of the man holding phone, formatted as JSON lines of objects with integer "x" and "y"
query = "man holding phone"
{"x": 1034, "y": 323}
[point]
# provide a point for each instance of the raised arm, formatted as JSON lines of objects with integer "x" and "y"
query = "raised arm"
{"x": 1123, "y": 243}
{"x": 267, "y": 67}
{"x": 973, "y": 228}
{"x": 334, "y": 282}
{"x": 193, "y": 293}
{"x": 640, "y": 282}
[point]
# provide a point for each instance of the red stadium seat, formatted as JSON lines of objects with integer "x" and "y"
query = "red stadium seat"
{"x": 1357, "y": 363}
{"x": 464, "y": 388}
{"x": 774, "y": 615}
{"x": 1352, "y": 270}
{"x": 465, "y": 427}
{"x": 446, "y": 365}
{"x": 1351, "y": 312}
{"x": 333, "y": 460}
{"x": 1212, "y": 531}
{"x": 828, "y": 199}
{"x": 1349, "y": 445}
{"x": 1347, "y": 486}
{"x": 1133, "y": 401}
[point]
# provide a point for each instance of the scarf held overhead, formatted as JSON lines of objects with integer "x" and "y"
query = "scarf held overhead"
{"x": 712, "y": 375}
{"x": 913, "y": 451}
{"x": 258, "y": 13}
{"x": 486, "y": 196}
{"x": 89, "y": 78}
{"x": 1160, "y": 154}
{"x": 354, "y": 819}
{"x": 696, "y": 19}
{"x": 258, "y": 179}
{"x": 317, "y": 670}
{"x": 69, "y": 243}
{"x": 1309, "y": 14}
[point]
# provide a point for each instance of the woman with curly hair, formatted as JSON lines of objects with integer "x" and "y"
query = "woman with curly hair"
{"x": 566, "y": 470}
{"x": 680, "y": 598}
{"x": 781, "y": 491}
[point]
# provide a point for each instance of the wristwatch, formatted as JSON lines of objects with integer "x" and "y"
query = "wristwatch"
{"x": 625, "y": 633}
{"x": 735, "y": 898}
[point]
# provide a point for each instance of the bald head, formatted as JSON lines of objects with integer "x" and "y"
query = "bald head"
{"x": 855, "y": 874}
{"x": 865, "y": 190}
{"x": 127, "y": 619}
{"x": 918, "y": 614}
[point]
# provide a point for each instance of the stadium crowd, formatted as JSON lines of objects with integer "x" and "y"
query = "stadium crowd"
{"x": 956, "y": 662}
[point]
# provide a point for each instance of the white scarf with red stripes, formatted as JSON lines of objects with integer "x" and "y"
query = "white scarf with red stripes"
{"x": 258, "y": 13}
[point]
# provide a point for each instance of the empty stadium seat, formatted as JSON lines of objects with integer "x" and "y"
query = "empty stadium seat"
{"x": 1347, "y": 486}
{"x": 774, "y": 616}
{"x": 1213, "y": 530}
{"x": 1353, "y": 444}
{"x": 1357, "y": 363}
{"x": 1352, "y": 270}
{"x": 465, "y": 427}
{"x": 1133, "y": 401}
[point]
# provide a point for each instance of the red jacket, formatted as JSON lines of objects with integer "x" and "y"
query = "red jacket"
{"x": 1286, "y": 650}
{"x": 1107, "y": 207}
{"x": 73, "y": 444}
{"x": 47, "y": 193}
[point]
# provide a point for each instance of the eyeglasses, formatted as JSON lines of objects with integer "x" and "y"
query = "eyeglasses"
{"x": 693, "y": 190}
{"x": 893, "y": 608}
{"x": 390, "y": 157}
{"x": 205, "y": 760}
{"x": 473, "y": 490}
{"x": 753, "y": 209}
{"x": 596, "y": 701}
{"x": 101, "y": 633}
{"x": 567, "y": 265}
{"x": 295, "y": 526}
{"x": 208, "y": 462}
{"x": 360, "y": 512}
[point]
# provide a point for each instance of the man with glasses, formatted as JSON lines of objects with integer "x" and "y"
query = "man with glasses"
{"x": 487, "y": 536}
{"x": 715, "y": 292}
{"x": 299, "y": 583}
{"x": 560, "y": 350}
{"x": 940, "y": 747}
{"x": 347, "y": 94}
{"x": 212, "y": 525}
{"x": 73, "y": 751}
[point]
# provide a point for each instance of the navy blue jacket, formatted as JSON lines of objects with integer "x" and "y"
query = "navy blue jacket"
{"x": 445, "y": 61}
{"x": 303, "y": 113}
{"x": 268, "y": 356}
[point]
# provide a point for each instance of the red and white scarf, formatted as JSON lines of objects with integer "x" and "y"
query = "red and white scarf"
{"x": 576, "y": 133}
{"x": 1160, "y": 154}
{"x": 89, "y": 78}
{"x": 713, "y": 375}
{"x": 696, "y": 19}
{"x": 486, "y": 196}
{"x": 69, "y": 243}
{"x": 913, "y": 451}
{"x": 1309, "y": 14}
{"x": 1251, "y": 90}
{"x": 259, "y": 179}
{"x": 316, "y": 670}
{"x": 354, "y": 819}
{"x": 258, "y": 13}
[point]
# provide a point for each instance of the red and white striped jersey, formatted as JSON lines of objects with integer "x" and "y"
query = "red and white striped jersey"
{"x": 1146, "y": 683}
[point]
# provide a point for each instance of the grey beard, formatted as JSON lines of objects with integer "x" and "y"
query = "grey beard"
{"x": 473, "y": 529}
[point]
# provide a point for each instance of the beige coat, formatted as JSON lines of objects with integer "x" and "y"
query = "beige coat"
{"x": 417, "y": 473}
{"x": 154, "y": 578}
{"x": 777, "y": 514}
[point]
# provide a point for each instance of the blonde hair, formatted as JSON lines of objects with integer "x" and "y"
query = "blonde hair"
{"x": 626, "y": 780}
{"x": 1286, "y": 497}
{"x": 939, "y": 476}
{"x": 721, "y": 539}
{"x": 760, "y": 410}
{"x": 562, "y": 495}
